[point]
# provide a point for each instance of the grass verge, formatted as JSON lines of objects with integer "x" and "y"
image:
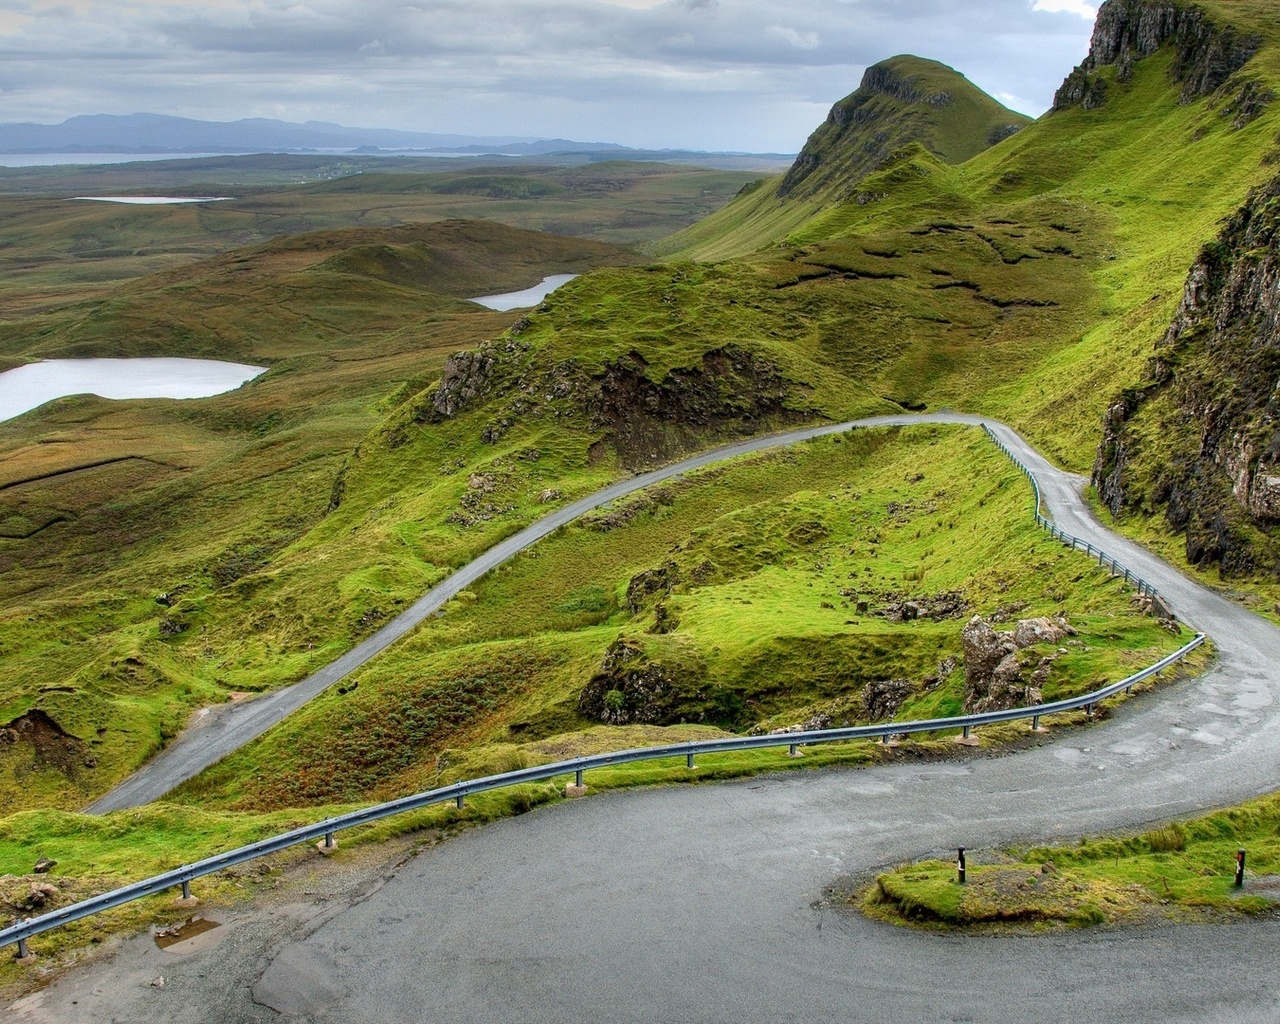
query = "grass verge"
{"x": 1178, "y": 871}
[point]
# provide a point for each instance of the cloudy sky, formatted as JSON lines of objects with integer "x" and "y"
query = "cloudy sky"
{"x": 755, "y": 75}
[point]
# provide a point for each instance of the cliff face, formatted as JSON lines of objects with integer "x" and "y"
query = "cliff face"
{"x": 1206, "y": 54}
{"x": 899, "y": 101}
{"x": 1211, "y": 403}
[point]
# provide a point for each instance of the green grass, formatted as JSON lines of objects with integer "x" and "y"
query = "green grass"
{"x": 159, "y": 557}
{"x": 52, "y": 250}
{"x": 1181, "y": 871}
{"x": 771, "y": 555}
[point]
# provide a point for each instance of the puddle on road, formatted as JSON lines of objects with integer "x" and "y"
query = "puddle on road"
{"x": 189, "y": 929}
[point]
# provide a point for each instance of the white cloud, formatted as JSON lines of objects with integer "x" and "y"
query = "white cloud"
{"x": 11, "y": 22}
{"x": 1078, "y": 7}
{"x": 800, "y": 40}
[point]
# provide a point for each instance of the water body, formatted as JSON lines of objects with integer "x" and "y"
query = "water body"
{"x": 27, "y": 387}
{"x": 83, "y": 159}
{"x": 152, "y": 200}
{"x": 528, "y": 297}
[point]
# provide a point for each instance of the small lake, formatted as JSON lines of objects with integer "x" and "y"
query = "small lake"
{"x": 27, "y": 387}
{"x": 152, "y": 200}
{"x": 528, "y": 297}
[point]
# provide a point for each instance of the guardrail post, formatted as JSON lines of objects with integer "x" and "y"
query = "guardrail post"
{"x": 186, "y": 887}
{"x": 23, "y": 952}
{"x": 1035, "y": 723}
{"x": 460, "y": 800}
{"x": 688, "y": 761}
{"x": 328, "y": 840}
{"x": 577, "y": 778}
{"x": 793, "y": 750}
{"x": 1240, "y": 869}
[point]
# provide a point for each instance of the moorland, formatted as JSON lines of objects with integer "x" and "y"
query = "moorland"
{"x": 160, "y": 558}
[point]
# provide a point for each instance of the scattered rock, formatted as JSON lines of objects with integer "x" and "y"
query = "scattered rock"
{"x": 36, "y": 896}
{"x": 899, "y": 608}
{"x": 44, "y": 865}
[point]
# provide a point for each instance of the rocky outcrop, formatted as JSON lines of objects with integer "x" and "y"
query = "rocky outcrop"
{"x": 637, "y": 685}
{"x": 464, "y": 381}
{"x": 643, "y": 585}
{"x": 993, "y": 672}
{"x": 1200, "y": 439}
{"x": 649, "y": 421}
{"x": 882, "y": 698}
{"x": 1206, "y": 54}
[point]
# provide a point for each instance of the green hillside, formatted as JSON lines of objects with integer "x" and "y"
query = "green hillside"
{"x": 902, "y": 101}
{"x": 282, "y": 523}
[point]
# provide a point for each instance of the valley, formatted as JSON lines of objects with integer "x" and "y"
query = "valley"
{"x": 1100, "y": 279}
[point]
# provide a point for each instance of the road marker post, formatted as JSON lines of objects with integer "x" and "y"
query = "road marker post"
{"x": 960, "y": 869}
{"x": 1240, "y": 868}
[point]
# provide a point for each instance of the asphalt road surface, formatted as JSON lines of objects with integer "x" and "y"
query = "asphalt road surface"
{"x": 705, "y": 904}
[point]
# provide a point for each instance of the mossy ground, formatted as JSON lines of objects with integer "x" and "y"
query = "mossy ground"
{"x": 1179, "y": 871}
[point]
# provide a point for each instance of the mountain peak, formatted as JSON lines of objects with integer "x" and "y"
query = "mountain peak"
{"x": 901, "y": 100}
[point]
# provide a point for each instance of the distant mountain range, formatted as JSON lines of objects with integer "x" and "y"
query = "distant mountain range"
{"x": 158, "y": 133}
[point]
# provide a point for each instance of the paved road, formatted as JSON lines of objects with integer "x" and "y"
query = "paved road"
{"x": 703, "y": 904}
{"x": 228, "y": 728}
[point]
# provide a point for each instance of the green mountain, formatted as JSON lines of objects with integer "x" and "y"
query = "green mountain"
{"x": 901, "y": 100}
{"x": 1031, "y": 281}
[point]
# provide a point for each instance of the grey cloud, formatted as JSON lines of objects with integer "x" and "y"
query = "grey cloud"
{"x": 743, "y": 74}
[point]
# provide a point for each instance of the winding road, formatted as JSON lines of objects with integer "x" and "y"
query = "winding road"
{"x": 705, "y": 903}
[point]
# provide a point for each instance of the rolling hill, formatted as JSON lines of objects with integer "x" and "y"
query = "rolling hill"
{"x": 1027, "y": 276}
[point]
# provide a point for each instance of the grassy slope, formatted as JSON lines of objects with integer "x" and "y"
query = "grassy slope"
{"x": 1130, "y": 191}
{"x": 1020, "y": 283}
{"x": 109, "y": 505}
{"x": 774, "y": 553}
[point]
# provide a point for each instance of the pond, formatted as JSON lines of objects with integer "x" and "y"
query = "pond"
{"x": 152, "y": 200}
{"x": 528, "y": 297}
{"x": 27, "y": 387}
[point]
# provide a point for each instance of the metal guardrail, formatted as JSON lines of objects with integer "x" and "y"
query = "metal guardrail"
{"x": 457, "y": 792}
{"x": 1077, "y": 543}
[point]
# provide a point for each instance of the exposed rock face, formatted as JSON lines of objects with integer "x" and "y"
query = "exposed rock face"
{"x": 992, "y": 670}
{"x": 647, "y": 421}
{"x": 632, "y": 686}
{"x": 1128, "y": 30}
{"x": 882, "y": 699}
{"x": 1211, "y": 402}
{"x": 650, "y": 421}
{"x": 47, "y": 743}
{"x": 464, "y": 380}
{"x": 645, "y": 584}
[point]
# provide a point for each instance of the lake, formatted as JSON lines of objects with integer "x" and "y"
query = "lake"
{"x": 27, "y": 387}
{"x": 528, "y": 297}
{"x": 152, "y": 200}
